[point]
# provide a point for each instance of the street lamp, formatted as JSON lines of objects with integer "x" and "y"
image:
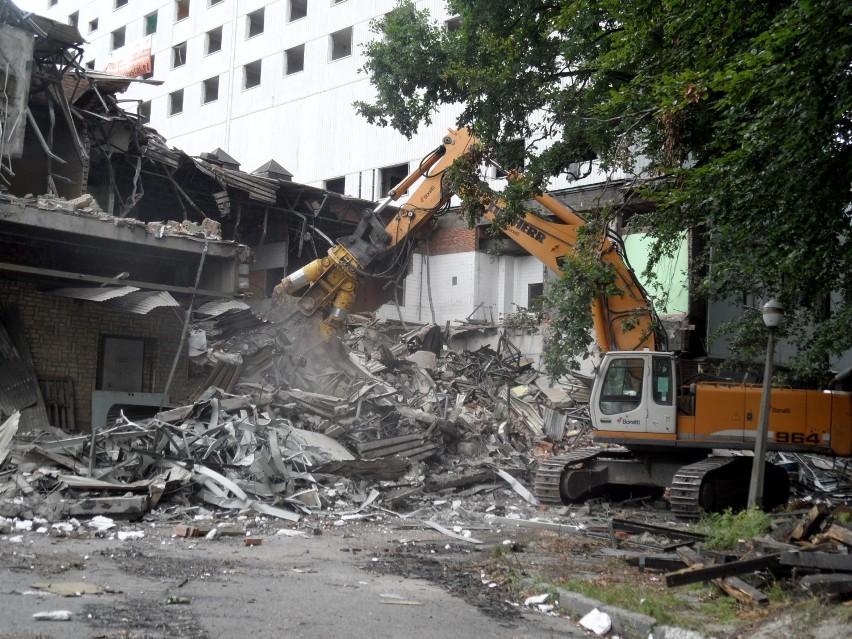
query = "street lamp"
{"x": 773, "y": 314}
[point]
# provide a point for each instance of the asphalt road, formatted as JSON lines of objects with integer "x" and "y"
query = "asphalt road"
{"x": 319, "y": 586}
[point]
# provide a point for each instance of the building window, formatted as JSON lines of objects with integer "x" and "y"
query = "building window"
{"x": 336, "y": 185}
{"x": 151, "y": 23}
{"x": 453, "y": 24}
{"x": 90, "y": 65}
{"x": 251, "y": 75}
{"x": 294, "y": 60}
{"x": 144, "y": 111}
{"x": 120, "y": 3}
{"x": 333, "y": 2}
{"x": 298, "y": 9}
{"x": 254, "y": 23}
{"x": 341, "y": 44}
{"x": 214, "y": 2}
{"x": 148, "y": 76}
{"x": 455, "y": 280}
{"x": 214, "y": 40}
{"x": 53, "y": 3}
{"x": 74, "y": 19}
{"x": 93, "y": 25}
{"x": 211, "y": 90}
{"x": 181, "y": 10}
{"x": 117, "y": 38}
{"x": 535, "y": 293}
{"x": 391, "y": 176}
{"x": 176, "y": 102}
{"x": 179, "y": 55}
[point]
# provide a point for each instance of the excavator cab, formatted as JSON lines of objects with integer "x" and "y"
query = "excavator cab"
{"x": 633, "y": 397}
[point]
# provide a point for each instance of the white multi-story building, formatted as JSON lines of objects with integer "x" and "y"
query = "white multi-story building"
{"x": 277, "y": 79}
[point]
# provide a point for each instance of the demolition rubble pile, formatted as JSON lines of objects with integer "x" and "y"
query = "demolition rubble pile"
{"x": 376, "y": 430}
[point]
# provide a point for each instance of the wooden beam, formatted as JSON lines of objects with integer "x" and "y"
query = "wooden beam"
{"x": 827, "y": 584}
{"x": 831, "y": 561}
{"x": 732, "y": 586}
{"x": 809, "y": 522}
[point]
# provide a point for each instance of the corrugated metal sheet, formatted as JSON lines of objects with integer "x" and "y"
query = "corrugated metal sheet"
{"x": 214, "y": 309}
{"x": 126, "y": 298}
{"x": 94, "y": 294}
{"x": 143, "y": 302}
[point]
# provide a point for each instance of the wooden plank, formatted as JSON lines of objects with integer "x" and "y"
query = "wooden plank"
{"x": 638, "y": 527}
{"x": 840, "y": 533}
{"x": 832, "y": 561}
{"x": 732, "y": 586}
{"x": 741, "y": 591}
{"x": 809, "y": 522}
{"x": 827, "y": 584}
{"x": 654, "y": 561}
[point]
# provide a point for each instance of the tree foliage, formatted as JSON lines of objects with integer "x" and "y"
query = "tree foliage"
{"x": 736, "y": 116}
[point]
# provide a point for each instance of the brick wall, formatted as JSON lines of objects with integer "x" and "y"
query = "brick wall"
{"x": 445, "y": 241}
{"x": 64, "y": 336}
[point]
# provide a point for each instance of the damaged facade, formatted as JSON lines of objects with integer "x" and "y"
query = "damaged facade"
{"x": 107, "y": 234}
{"x": 290, "y": 69}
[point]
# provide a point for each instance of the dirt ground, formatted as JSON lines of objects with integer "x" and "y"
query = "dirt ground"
{"x": 358, "y": 577}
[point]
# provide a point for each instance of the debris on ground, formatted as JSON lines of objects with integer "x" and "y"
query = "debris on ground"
{"x": 281, "y": 441}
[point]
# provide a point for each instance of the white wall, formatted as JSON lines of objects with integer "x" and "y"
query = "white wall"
{"x": 305, "y": 121}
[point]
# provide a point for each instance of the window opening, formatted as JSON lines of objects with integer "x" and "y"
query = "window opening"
{"x": 144, "y": 111}
{"x": 254, "y": 23}
{"x": 176, "y": 102}
{"x": 151, "y": 23}
{"x": 341, "y": 44}
{"x": 181, "y": 10}
{"x": 298, "y": 9}
{"x": 294, "y": 60}
{"x": 214, "y": 40}
{"x": 211, "y": 89}
{"x": 336, "y": 185}
{"x": 179, "y": 55}
{"x": 251, "y": 75}
{"x": 391, "y": 176}
{"x": 118, "y": 38}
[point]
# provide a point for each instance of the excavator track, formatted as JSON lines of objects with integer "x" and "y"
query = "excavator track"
{"x": 717, "y": 483}
{"x": 548, "y": 477}
{"x": 686, "y": 489}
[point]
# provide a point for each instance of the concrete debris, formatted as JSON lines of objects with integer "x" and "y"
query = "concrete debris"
{"x": 53, "y": 615}
{"x": 285, "y": 433}
{"x": 597, "y": 621}
{"x": 388, "y": 420}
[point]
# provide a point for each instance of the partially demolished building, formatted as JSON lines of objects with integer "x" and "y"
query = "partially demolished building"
{"x": 107, "y": 235}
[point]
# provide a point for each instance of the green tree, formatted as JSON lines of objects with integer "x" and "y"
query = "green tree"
{"x": 735, "y": 116}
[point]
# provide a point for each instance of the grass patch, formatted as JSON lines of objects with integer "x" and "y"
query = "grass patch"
{"x": 664, "y": 606}
{"x": 725, "y": 530}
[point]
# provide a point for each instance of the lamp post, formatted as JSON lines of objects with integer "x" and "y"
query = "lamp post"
{"x": 773, "y": 314}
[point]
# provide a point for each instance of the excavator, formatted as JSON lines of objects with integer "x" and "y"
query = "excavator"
{"x": 651, "y": 429}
